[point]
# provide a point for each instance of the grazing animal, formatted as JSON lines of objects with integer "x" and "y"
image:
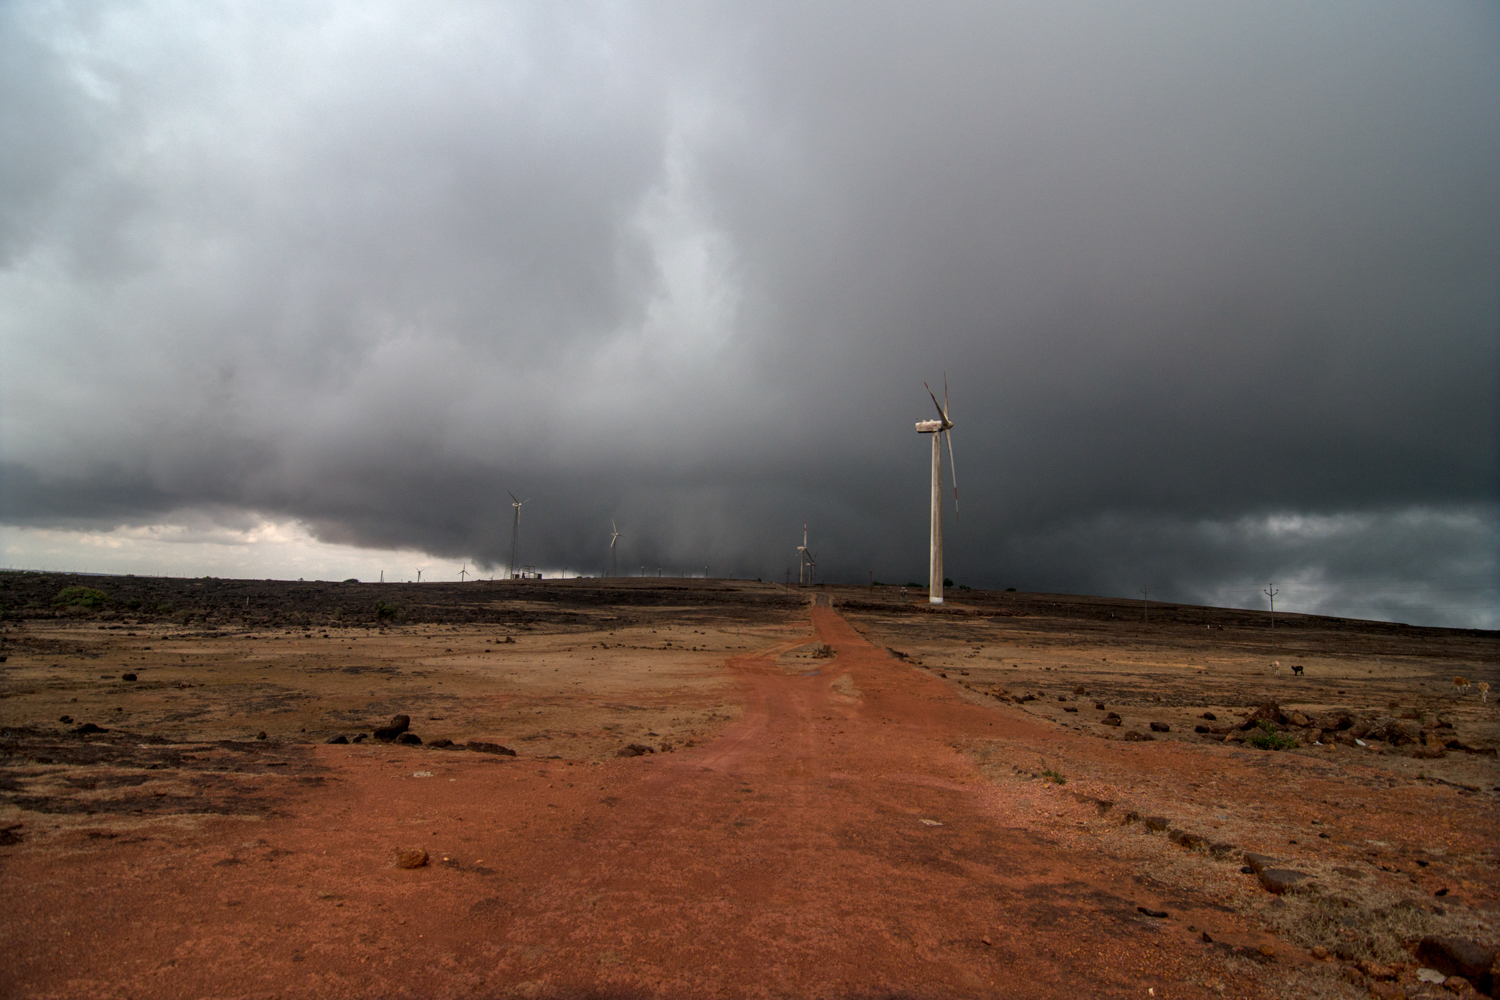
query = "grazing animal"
{"x": 1275, "y": 667}
{"x": 1484, "y": 690}
{"x": 1460, "y": 685}
{"x": 1297, "y": 669}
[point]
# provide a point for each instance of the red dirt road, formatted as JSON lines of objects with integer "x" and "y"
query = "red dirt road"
{"x": 832, "y": 843}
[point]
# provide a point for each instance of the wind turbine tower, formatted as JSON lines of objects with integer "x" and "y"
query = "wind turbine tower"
{"x": 802, "y": 555}
{"x": 515, "y": 531}
{"x": 614, "y": 560}
{"x": 939, "y": 428}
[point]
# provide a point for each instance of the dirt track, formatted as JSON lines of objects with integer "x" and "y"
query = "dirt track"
{"x": 844, "y": 838}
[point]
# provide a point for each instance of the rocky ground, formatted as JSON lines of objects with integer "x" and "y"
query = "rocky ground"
{"x": 1328, "y": 831}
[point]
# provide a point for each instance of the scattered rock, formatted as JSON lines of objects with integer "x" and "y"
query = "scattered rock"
{"x": 1131, "y": 736}
{"x": 1220, "y": 848}
{"x": 1279, "y": 880}
{"x": 261, "y": 735}
{"x": 1070, "y": 708}
{"x": 87, "y": 728}
{"x": 359, "y": 738}
{"x": 127, "y": 677}
{"x": 1379, "y": 970}
{"x": 1080, "y": 690}
{"x": 635, "y": 750}
{"x": 1112, "y": 719}
{"x": 1268, "y": 711}
{"x": 1099, "y": 705}
{"x": 398, "y": 725}
{"x": 410, "y": 857}
{"x": 1457, "y": 984}
{"x": 1201, "y": 728}
{"x": 409, "y": 738}
{"x": 1188, "y": 841}
{"x": 479, "y": 746}
{"x": 1160, "y": 727}
{"x": 1319, "y": 952}
{"x": 65, "y": 719}
{"x": 1158, "y": 914}
{"x": 1258, "y": 861}
{"x": 1456, "y": 956}
{"x": 440, "y": 744}
{"x": 1211, "y": 717}
{"x": 1298, "y": 719}
{"x": 340, "y": 739}
{"x": 1157, "y": 823}
{"x": 1205, "y": 938}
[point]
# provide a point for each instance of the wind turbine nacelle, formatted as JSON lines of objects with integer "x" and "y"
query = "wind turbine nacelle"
{"x": 929, "y": 426}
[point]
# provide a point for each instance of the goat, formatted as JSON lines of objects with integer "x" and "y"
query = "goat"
{"x": 1297, "y": 669}
{"x": 1484, "y": 690}
{"x": 1460, "y": 685}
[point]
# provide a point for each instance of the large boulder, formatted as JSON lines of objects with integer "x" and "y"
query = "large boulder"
{"x": 1266, "y": 712}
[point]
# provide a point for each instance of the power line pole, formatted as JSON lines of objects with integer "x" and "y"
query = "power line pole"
{"x": 1271, "y": 592}
{"x": 1145, "y": 604}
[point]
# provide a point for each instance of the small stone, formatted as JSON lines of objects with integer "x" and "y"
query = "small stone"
{"x": 1319, "y": 952}
{"x": 261, "y": 735}
{"x": 1211, "y": 717}
{"x": 1156, "y": 914}
{"x": 1457, "y": 984}
{"x": 89, "y": 727}
{"x": 635, "y": 750}
{"x": 1160, "y": 727}
{"x": 409, "y": 738}
{"x": 1099, "y": 705}
{"x": 440, "y": 744}
{"x": 1379, "y": 970}
{"x": 359, "y": 738}
{"x": 127, "y": 677}
{"x": 1131, "y": 736}
{"x": 1157, "y": 823}
{"x": 479, "y": 746}
{"x": 1258, "y": 861}
{"x": 340, "y": 739}
{"x": 65, "y": 719}
{"x": 1266, "y": 950}
{"x": 1112, "y": 719}
{"x": 1205, "y": 938}
{"x": 410, "y": 857}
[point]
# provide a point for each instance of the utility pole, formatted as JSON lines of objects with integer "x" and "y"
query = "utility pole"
{"x": 1271, "y": 592}
{"x": 1146, "y": 604}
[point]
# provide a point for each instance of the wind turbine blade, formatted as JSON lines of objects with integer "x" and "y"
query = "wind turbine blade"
{"x": 945, "y": 395}
{"x": 953, "y": 471}
{"x": 939, "y": 406}
{"x": 512, "y": 496}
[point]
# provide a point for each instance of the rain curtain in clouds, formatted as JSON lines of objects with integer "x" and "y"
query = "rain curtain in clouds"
{"x": 1217, "y": 290}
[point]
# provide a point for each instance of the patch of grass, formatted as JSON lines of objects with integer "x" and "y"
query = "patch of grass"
{"x": 83, "y": 597}
{"x": 386, "y": 609}
{"x": 1054, "y": 777}
{"x": 1269, "y": 739}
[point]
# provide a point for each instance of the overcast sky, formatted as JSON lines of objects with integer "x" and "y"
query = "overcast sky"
{"x": 1216, "y": 290}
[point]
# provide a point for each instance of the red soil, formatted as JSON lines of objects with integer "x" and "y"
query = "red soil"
{"x": 829, "y": 844}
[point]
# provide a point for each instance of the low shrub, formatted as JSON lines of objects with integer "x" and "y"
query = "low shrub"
{"x": 83, "y": 597}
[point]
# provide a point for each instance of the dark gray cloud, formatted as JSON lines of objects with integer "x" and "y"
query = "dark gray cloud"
{"x": 1217, "y": 290}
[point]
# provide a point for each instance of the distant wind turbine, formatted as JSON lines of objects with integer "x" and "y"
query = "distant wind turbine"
{"x": 614, "y": 561}
{"x": 463, "y": 572}
{"x": 939, "y": 428}
{"x": 515, "y": 531}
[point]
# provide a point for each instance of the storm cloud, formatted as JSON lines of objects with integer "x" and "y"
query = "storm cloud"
{"x": 1216, "y": 290}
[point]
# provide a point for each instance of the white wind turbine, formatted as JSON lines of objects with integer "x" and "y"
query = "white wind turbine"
{"x": 463, "y": 572}
{"x": 515, "y": 531}
{"x": 614, "y": 561}
{"x": 802, "y": 556}
{"x": 939, "y": 428}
